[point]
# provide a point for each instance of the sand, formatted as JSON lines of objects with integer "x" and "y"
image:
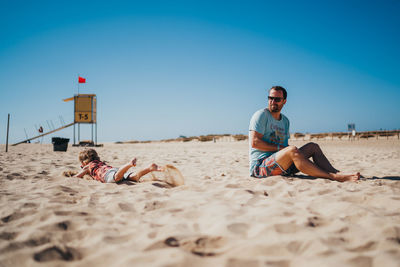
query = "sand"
{"x": 219, "y": 217}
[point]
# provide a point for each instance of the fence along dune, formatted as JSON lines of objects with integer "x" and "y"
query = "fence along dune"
{"x": 295, "y": 136}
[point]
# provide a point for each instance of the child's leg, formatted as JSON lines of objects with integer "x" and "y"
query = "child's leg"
{"x": 139, "y": 174}
{"x": 123, "y": 169}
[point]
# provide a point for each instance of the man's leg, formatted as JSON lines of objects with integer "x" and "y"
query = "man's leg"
{"x": 292, "y": 154}
{"x": 313, "y": 150}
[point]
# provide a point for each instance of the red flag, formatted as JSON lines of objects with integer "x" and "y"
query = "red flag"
{"x": 81, "y": 80}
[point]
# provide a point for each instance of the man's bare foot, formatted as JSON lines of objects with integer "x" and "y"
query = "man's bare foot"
{"x": 133, "y": 162}
{"x": 155, "y": 167}
{"x": 345, "y": 177}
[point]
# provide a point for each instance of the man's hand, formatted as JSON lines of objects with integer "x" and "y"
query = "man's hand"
{"x": 257, "y": 142}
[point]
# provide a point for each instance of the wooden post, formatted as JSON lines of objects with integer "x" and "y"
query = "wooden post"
{"x": 8, "y": 128}
{"x": 74, "y": 133}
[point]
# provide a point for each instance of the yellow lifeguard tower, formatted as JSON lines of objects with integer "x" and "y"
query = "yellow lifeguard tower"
{"x": 85, "y": 112}
{"x": 85, "y": 108}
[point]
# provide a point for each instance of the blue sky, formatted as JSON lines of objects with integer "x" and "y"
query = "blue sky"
{"x": 161, "y": 69}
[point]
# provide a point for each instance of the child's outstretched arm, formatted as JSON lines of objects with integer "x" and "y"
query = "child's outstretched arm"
{"x": 84, "y": 171}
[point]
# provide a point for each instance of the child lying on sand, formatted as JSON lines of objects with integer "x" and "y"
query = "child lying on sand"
{"x": 101, "y": 171}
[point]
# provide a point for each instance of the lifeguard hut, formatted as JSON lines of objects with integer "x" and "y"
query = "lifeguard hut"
{"x": 85, "y": 112}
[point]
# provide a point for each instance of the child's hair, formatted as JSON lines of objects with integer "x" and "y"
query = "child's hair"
{"x": 88, "y": 155}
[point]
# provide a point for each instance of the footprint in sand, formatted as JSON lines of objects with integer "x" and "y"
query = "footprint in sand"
{"x": 296, "y": 247}
{"x": 335, "y": 241}
{"x": 343, "y": 230}
{"x": 281, "y": 263}
{"x": 67, "y": 213}
{"x": 8, "y": 235}
{"x": 324, "y": 192}
{"x": 392, "y": 234}
{"x": 15, "y": 175}
{"x": 70, "y": 234}
{"x": 29, "y": 205}
{"x": 16, "y": 216}
{"x": 32, "y": 242}
{"x": 286, "y": 228}
{"x": 68, "y": 190}
{"x": 93, "y": 201}
{"x": 371, "y": 245}
{"x": 361, "y": 261}
{"x": 316, "y": 221}
{"x": 232, "y": 186}
{"x": 126, "y": 207}
{"x": 257, "y": 193}
{"x": 28, "y": 169}
{"x": 59, "y": 226}
{"x": 57, "y": 253}
{"x": 65, "y": 225}
{"x": 241, "y": 262}
{"x": 152, "y": 235}
{"x": 354, "y": 199}
{"x": 288, "y": 213}
{"x": 203, "y": 246}
{"x": 269, "y": 182}
{"x": 154, "y": 205}
{"x": 117, "y": 239}
{"x": 238, "y": 228}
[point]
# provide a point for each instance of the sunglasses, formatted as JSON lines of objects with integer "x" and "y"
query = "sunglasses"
{"x": 276, "y": 99}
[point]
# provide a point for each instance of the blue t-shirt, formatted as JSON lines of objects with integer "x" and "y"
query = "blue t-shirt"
{"x": 273, "y": 131}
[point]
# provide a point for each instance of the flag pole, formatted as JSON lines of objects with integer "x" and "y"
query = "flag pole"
{"x": 78, "y": 83}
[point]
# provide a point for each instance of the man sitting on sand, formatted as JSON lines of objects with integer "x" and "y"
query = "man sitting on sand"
{"x": 270, "y": 153}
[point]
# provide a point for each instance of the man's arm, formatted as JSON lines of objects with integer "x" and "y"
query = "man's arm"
{"x": 257, "y": 142}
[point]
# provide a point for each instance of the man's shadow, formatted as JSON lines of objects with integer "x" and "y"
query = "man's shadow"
{"x": 393, "y": 178}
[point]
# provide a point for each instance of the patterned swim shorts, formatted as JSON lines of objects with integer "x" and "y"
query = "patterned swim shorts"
{"x": 267, "y": 167}
{"x": 109, "y": 176}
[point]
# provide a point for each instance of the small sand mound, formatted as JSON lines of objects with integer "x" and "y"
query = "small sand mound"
{"x": 173, "y": 176}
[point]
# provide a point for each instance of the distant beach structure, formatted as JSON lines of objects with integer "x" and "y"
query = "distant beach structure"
{"x": 348, "y": 135}
{"x": 295, "y": 136}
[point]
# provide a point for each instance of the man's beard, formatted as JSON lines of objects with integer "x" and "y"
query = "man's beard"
{"x": 274, "y": 108}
